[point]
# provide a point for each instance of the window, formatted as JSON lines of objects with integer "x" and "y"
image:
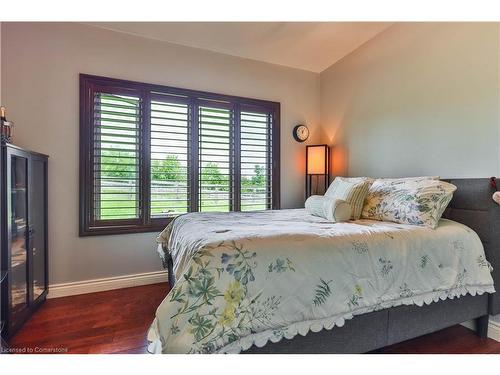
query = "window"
{"x": 149, "y": 153}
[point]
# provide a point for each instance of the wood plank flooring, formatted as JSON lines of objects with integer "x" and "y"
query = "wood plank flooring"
{"x": 114, "y": 321}
{"x": 117, "y": 322}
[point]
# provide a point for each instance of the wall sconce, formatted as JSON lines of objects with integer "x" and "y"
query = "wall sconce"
{"x": 317, "y": 166}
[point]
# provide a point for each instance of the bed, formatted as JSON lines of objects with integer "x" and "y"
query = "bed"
{"x": 288, "y": 282}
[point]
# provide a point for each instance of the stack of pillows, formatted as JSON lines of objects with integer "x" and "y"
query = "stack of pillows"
{"x": 414, "y": 200}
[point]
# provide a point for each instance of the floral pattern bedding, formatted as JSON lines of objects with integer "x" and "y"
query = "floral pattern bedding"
{"x": 246, "y": 279}
{"x": 417, "y": 201}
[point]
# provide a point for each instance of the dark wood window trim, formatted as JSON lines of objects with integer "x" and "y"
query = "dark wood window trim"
{"x": 144, "y": 222}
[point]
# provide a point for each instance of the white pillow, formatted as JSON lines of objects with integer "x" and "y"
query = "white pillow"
{"x": 353, "y": 193}
{"x": 335, "y": 210}
{"x": 356, "y": 179}
{"x": 408, "y": 201}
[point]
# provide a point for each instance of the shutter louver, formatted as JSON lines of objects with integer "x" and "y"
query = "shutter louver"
{"x": 116, "y": 157}
{"x": 170, "y": 157}
{"x": 215, "y": 159}
{"x": 256, "y": 141}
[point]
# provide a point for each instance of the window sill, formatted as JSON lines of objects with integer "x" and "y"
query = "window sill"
{"x": 129, "y": 229}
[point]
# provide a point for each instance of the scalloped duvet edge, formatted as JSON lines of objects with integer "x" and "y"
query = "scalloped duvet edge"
{"x": 304, "y": 327}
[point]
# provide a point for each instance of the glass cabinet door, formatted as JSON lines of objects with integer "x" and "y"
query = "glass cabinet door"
{"x": 18, "y": 220}
{"x": 37, "y": 220}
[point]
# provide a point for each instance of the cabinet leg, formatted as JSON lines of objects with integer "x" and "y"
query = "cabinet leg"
{"x": 3, "y": 346}
{"x": 482, "y": 326}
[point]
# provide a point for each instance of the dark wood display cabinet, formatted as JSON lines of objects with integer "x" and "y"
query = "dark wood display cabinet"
{"x": 23, "y": 236}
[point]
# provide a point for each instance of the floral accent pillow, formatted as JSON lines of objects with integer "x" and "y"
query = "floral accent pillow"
{"x": 416, "y": 202}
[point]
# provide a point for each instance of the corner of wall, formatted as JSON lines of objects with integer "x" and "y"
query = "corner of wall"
{"x": 0, "y": 62}
{"x": 498, "y": 101}
{"x": 428, "y": 65}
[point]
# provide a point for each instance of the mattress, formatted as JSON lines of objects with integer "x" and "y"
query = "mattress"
{"x": 246, "y": 279}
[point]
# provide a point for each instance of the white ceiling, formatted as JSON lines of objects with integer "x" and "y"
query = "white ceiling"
{"x": 312, "y": 46}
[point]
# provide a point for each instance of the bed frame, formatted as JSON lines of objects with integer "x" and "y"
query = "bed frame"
{"x": 473, "y": 206}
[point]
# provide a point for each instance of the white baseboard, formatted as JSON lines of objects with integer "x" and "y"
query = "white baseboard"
{"x": 493, "y": 329}
{"x": 109, "y": 283}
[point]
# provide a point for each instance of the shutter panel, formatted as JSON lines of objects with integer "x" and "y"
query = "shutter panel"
{"x": 170, "y": 156}
{"x": 116, "y": 157}
{"x": 216, "y": 159}
{"x": 256, "y": 151}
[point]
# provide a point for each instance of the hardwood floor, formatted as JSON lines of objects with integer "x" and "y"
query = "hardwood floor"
{"x": 117, "y": 322}
{"x": 453, "y": 340}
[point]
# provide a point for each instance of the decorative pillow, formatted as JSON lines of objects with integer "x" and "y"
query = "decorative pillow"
{"x": 372, "y": 180}
{"x": 332, "y": 209}
{"x": 356, "y": 179}
{"x": 417, "y": 201}
{"x": 353, "y": 193}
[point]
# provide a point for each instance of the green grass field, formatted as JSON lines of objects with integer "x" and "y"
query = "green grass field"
{"x": 123, "y": 206}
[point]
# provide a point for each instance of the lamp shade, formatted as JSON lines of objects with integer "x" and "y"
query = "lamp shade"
{"x": 317, "y": 159}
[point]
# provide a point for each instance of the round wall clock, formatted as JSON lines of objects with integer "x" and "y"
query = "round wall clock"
{"x": 300, "y": 133}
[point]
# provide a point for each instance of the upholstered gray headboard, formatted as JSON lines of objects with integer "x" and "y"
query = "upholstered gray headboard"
{"x": 472, "y": 205}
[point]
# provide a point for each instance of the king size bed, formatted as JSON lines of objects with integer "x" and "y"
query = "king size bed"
{"x": 288, "y": 282}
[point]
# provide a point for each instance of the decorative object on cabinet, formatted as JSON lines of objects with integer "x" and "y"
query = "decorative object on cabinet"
{"x": 317, "y": 166}
{"x": 23, "y": 233}
{"x": 5, "y": 127}
{"x": 300, "y": 133}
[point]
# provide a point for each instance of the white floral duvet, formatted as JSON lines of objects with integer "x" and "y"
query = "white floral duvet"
{"x": 250, "y": 278}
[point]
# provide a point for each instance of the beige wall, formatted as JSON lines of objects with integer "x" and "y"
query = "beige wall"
{"x": 418, "y": 99}
{"x": 40, "y": 65}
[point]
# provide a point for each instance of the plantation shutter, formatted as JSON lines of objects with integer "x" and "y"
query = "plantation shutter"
{"x": 170, "y": 157}
{"x": 116, "y": 158}
{"x": 256, "y": 157}
{"x": 216, "y": 158}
